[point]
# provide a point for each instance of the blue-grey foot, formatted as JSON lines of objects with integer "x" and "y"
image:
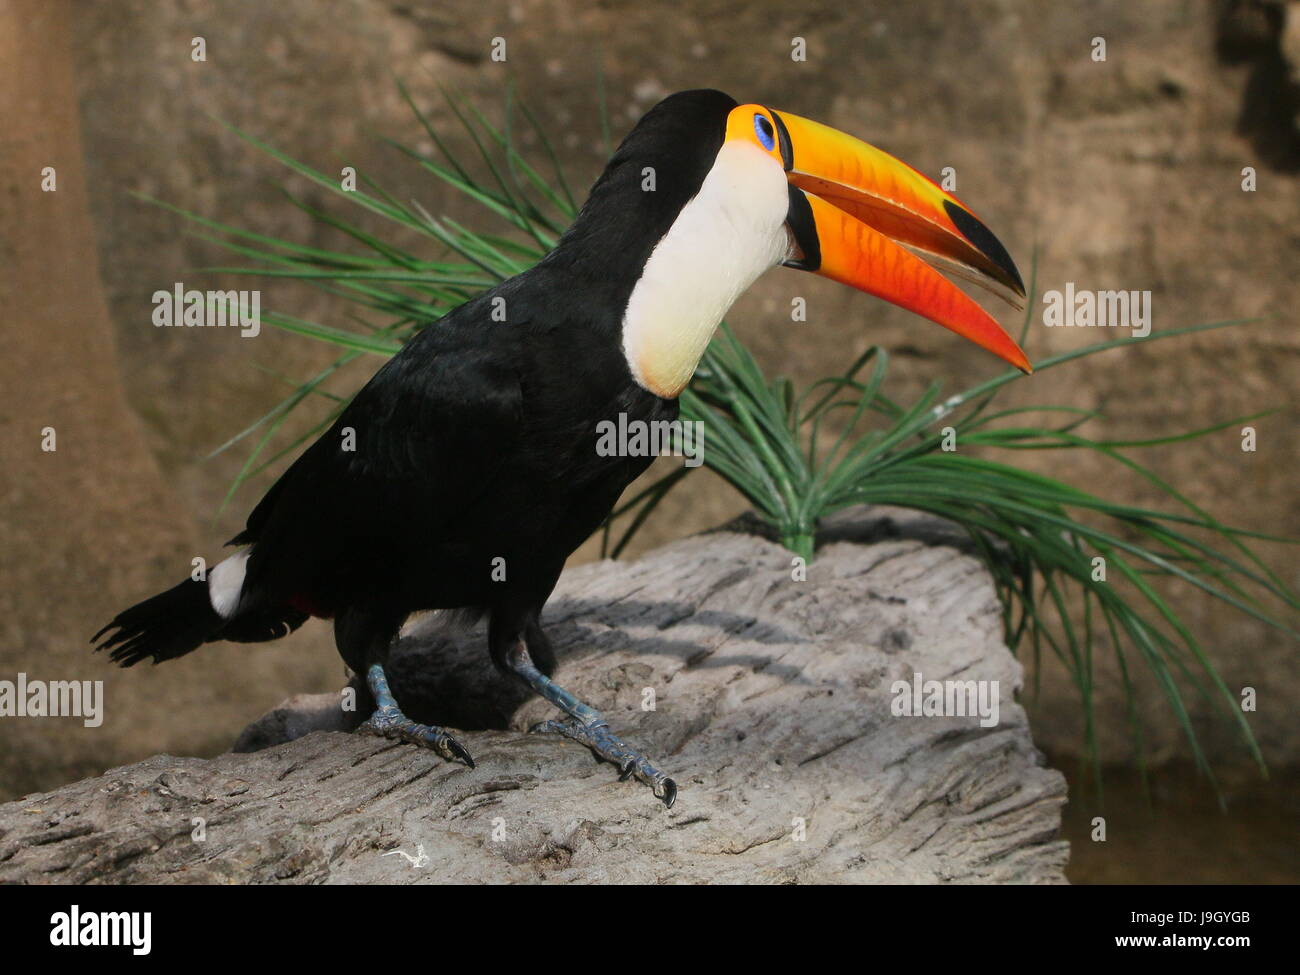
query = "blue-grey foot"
{"x": 388, "y": 721}
{"x": 595, "y": 734}
{"x": 587, "y": 725}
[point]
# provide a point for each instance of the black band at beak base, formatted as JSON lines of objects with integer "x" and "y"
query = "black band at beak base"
{"x": 783, "y": 140}
{"x": 799, "y": 218}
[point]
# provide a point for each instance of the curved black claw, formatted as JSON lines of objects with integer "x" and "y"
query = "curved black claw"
{"x": 388, "y": 722}
{"x": 670, "y": 793}
{"x": 606, "y": 745}
{"x": 460, "y": 751}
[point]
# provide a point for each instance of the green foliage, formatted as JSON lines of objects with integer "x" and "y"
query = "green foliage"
{"x": 800, "y": 455}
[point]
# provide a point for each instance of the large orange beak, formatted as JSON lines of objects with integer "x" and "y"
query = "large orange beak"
{"x": 863, "y": 218}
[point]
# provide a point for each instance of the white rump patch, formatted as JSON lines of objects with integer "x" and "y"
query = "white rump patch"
{"x": 225, "y": 582}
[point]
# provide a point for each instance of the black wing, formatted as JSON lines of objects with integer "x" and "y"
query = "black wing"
{"x": 418, "y": 444}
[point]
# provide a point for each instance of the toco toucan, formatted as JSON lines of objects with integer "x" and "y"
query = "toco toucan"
{"x": 476, "y": 443}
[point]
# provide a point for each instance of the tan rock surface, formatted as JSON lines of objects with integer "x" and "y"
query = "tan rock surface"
{"x": 92, "y": 525}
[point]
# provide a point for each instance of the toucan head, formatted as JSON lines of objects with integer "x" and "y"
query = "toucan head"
{"x": 727, "y": 191}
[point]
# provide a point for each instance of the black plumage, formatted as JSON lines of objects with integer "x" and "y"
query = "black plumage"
{"x": 475, "y": 443}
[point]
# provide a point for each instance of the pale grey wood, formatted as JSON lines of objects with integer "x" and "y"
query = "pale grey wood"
{"x": 772, "y": 707}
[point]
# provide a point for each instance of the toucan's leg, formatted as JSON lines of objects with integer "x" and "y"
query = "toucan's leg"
{"x": 586, "y": 725}
{"x": 364, "y": 635}
{"x": 388, "y": 721}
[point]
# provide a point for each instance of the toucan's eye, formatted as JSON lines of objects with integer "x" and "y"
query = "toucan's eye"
{"x": 763, "y": 129}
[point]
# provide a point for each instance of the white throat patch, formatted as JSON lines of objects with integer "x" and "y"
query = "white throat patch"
{"x": 725, "y": 237}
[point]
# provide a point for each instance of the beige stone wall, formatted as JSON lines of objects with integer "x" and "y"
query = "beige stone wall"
{"x": 1123, "y": 174}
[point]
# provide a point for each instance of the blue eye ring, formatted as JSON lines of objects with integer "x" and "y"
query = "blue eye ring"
{"x": 766, "y": 134}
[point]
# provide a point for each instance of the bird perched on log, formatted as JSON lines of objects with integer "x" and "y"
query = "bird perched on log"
{"x": 474, "y": 448}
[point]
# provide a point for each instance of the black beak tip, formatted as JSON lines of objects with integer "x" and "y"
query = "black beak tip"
{"x": 983, "y": 240}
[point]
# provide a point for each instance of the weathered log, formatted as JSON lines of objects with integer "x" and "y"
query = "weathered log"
{"x": 773, "y": 707}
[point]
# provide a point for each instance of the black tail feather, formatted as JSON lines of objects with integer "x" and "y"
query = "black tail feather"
{"x": 180, "y": 620}
{"x": 168, "y": 625}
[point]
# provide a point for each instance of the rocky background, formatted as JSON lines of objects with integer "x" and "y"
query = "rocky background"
{"x": 1125, "y": 173}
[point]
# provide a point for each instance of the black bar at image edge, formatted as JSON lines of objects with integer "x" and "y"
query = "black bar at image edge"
{"x": 338, "y": 923}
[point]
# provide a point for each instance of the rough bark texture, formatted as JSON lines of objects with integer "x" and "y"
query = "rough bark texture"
{"x": 773, "y": 706}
